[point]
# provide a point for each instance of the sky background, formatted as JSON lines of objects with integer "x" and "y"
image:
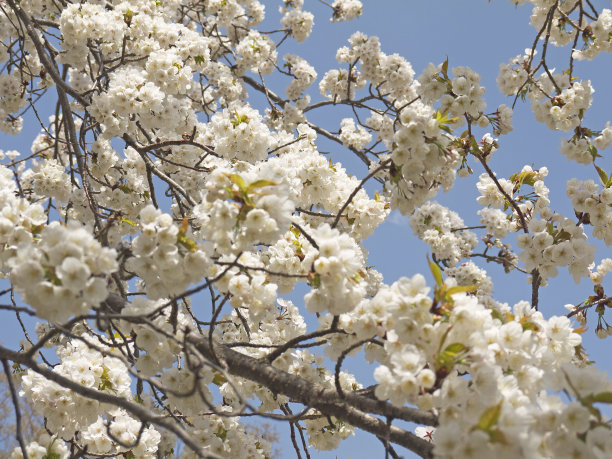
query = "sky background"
{"x": 473, "y": 33}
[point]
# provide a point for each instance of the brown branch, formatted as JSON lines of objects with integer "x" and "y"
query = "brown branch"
{"x": 353, "y": 408}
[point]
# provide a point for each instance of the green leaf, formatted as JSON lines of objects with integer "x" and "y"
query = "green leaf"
{"x": 221, "y": 433}
{"x": 261, "y": 183}
{"x": 593, "y": 151}
{"x": 436, "y": 272}
{"x": 445, "y": 67}
{"x": 239, "y": 119}
{"x": 523, "y": 178}
{"x": 295, "y": 231}
{"x": 190, "y": 244}
{"x": 444, "y": 120}
{"x": 105, "y": 382}
{"x": 455, "y": 348}
{"x": 219, "y": 379}
{"x": 497, "y": 436}
{"x": 496, "y": 314}
{"x": 603, "y": 397}
{"x": 199, "y": 59}
{"x": 602, "y": 175}
{"x": 236, "y": 180}
{"x": 461, "y": 288}
{"x": 489, "y": 418}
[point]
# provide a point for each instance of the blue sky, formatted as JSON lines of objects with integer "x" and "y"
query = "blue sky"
{"x": 480, "y": 35}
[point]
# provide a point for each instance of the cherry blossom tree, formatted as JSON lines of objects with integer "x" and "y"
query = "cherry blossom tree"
{"x": 162, "y": 220}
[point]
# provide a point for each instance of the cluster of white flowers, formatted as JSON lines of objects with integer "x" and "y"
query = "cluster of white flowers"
{"x": 390, "y": 73}
{"x": 340, "y": 85}
{"x": 514, "y": 75}
{"x": 225, "y": 436}
{"x": 243, "y": 208}
{"x": 66, "y": 412}
{"x": 598, "y": 41}
{"x": 315, "y": 181}
{"x": 467, "y": 94}
{"x": 44, "y": 446}
{"x": 131, "y": 97}
{"x": 517, "y": 361}
{"x": 304, "y": 75}
{"x": 12, "y": 100}
{"x": 469, "y": 274}
{"x": 89, "y": 21}
{"x": 561, "y": 30}
{"x": 560, "y": 104}
{"x": 257, "y": 53}
{"x": 165, "y": 256}
{"x": 346, "y": 10}
{"x": 48, "y": 178}
{"x": 489, "y": 192}
{"x": 238, "y": 132}
{"x": 298, "y": 21}
{"x": 166, "y": 70}
{"x": 64, "y": 273}
{"x": 502, "y": 120}
{"x": 587, "y": 198}
{"x": 555, "y": 242}
{"x": 442, "y": 229}
{"x": 253, "y": 292}
{"x": 583, "y": 147}
{"x": 18, "y": 219}
{"x": 258, "y": 209}
{"x": 496, "y": 222}
{"x": 604, "y": 268}
{"x": 564, "y": 111}
{"x": 161, "y": 352}
{"x": 353, "y": 137}
{"x": 422, "y": 158}
{"x": 337, "y": 273}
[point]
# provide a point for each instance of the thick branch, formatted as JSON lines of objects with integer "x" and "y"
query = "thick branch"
{"x": 352, "y": 408}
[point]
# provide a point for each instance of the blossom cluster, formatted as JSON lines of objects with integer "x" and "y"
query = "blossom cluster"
{"x": 587, "y": 198}
{"x": 66, "y": 412}
{"x": 165, "y": 256}
{"x": 598, "y": 40}
{"x": 444, "y": 231}
{"x": 298, "y": 21}
{"x": 337, "y": 278}
{"x": 64, "y": 273}
{"x": 303, "y": 76}
{"x": 239, "y": 210}
{"x": 12, "y": 100}
{"x": 556, "y": 242}
{"x": 238, "y": 132}
{"x": 353, "y": 137}
{"x": 517, "y": 360}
